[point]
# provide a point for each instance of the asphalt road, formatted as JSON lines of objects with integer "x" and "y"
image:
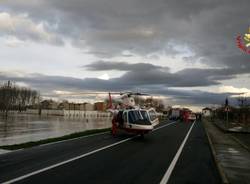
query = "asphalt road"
{"x": 124, "y": 159}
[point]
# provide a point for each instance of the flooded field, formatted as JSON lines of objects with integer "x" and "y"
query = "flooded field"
{"x": 24, "y": 128}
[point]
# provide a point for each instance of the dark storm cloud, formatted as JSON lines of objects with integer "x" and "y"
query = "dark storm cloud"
{"x": 146, "y": 74}
{"x": 195, "y": 97}
{"x": 47, "y": 83}
{"x": 207, "y": 27}
{"x": 107, "y": 28}
{"x": 121, "y": 66}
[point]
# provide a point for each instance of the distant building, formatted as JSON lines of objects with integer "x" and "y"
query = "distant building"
{"x": 82, "y": 106}
{"x": 206, "y": 112}
{"x": 49, "y": 104}
{"x": 72, "y": 106}
{"x": 100, "y": 106}
{"x": 76, "y": 106}
{"x": 88, "y": 107}
{"x": 64, "y": 105}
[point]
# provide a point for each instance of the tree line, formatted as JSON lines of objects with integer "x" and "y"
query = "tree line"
{"x": 14, "y": 97}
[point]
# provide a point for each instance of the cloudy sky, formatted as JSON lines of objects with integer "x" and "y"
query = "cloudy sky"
{"x": 184, "y": 50}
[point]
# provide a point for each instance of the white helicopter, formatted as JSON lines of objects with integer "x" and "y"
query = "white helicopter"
{"x": 131, "y": 117}
{"x": 127, "y": 115}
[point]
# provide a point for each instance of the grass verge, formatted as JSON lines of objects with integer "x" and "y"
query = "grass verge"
{"x": 50, "y": 140}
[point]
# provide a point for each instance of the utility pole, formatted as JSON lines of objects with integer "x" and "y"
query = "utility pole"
{"x": 242, "y": 101}
{"x": 227, "y": 109}
{"x": 227, "y": 118}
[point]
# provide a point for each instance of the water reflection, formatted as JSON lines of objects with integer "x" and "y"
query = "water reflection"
{"x": 24, "y": 128}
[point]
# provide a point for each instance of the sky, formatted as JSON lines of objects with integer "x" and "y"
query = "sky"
{"x": 183, "y": 50}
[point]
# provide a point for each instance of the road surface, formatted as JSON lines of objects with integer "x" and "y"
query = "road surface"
{"x": 175, "y": 152}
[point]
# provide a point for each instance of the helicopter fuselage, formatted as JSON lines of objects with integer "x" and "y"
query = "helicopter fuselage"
{"x": 132, "y": 120}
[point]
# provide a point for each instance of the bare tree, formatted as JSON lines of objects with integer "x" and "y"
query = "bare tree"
{"x": 13, "y": 97}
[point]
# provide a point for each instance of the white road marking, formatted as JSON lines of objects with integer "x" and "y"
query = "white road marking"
{"x": 170, "y": 169}
{"x": 2, "y": 151}
{"x": 76, "y": 158}
{"x": 66, "y": 161}
{"x": 51, "y": 143}
{"x": 164, "y": 126}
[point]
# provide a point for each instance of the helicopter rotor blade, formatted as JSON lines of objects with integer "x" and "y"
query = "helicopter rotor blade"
{"x": 97, "y": 93}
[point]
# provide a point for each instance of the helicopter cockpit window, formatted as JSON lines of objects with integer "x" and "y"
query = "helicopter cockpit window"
{"x": 152, "y": 115}
{"x": 144, "y": 114}
{"x": 134, "y": 116}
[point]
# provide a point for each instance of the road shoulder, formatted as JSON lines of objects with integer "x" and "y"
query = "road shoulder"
{"x": 232, "y": 159}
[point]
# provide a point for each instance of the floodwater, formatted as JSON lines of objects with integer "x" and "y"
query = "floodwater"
{"x": 25, "y": 128}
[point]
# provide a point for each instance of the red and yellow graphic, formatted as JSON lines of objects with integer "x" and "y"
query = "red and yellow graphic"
{"x": 243, "y": 42}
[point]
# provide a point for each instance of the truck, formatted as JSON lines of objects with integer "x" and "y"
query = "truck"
{"x": 175, "y": 114}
